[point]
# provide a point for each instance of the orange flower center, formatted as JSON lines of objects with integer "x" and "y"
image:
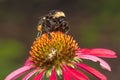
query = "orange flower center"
{"x": 47, "y": 52}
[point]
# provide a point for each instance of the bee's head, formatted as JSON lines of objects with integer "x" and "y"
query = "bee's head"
{"x": 57, "y": 13}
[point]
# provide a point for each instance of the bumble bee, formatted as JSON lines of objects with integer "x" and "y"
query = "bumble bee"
{"x": 53, "y": 21}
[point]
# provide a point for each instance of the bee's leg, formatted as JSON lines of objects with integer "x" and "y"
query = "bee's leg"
{"x": 49, "y": 36}
{"x": 47, "y": 30}
{"x": 65, "y": 27}
{"x": 39, "y": 33}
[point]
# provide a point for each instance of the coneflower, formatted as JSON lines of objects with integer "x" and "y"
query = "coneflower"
{"x": 60, "y": 58}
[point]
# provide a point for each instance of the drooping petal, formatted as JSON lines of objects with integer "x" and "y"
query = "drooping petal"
{"x": 15, "y": 74}
{"x": 28, "y": 62}
{"x": 30, "y": 74}
{"x": 106, "y": 53}
{"x": 65, "y": 75}
{"x": 94, "y": 72}
{"x": 39, "y": 76}
{"x": 103, "y": 63}
{"x": 83, "y": 50}
{"x": 103, "y": 53}
{"x": 75, "y": 73}
{"x": 53, "y": 74}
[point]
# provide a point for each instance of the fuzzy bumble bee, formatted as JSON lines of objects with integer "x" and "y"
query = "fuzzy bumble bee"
{"x": 53, "y": 21}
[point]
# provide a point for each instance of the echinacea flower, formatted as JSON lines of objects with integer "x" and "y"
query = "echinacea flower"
{"x": 60, "y": 58}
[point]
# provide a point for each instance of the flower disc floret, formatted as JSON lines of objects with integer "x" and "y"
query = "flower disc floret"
{"x": 47, "y": 52}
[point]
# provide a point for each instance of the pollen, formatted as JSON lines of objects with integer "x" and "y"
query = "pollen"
{"x": 47, "y": 52}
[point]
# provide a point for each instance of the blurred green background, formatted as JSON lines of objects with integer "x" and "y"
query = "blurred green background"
{"x": 93, "y": 23}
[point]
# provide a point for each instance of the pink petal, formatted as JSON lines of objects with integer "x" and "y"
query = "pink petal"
{"x": 66, "y": 75}
{"x": 39, "y": 76}
{"x": 30, "y": 74}
{"x": 103, "y": 63}
{"x": 75, "y": 73}
{"x": 53, "y": 74}
{"x": 17, "y": 73}
{"x": 28, "y": 62}
{"x": 94, "y": 72}
{"x": 98, "y": 52}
